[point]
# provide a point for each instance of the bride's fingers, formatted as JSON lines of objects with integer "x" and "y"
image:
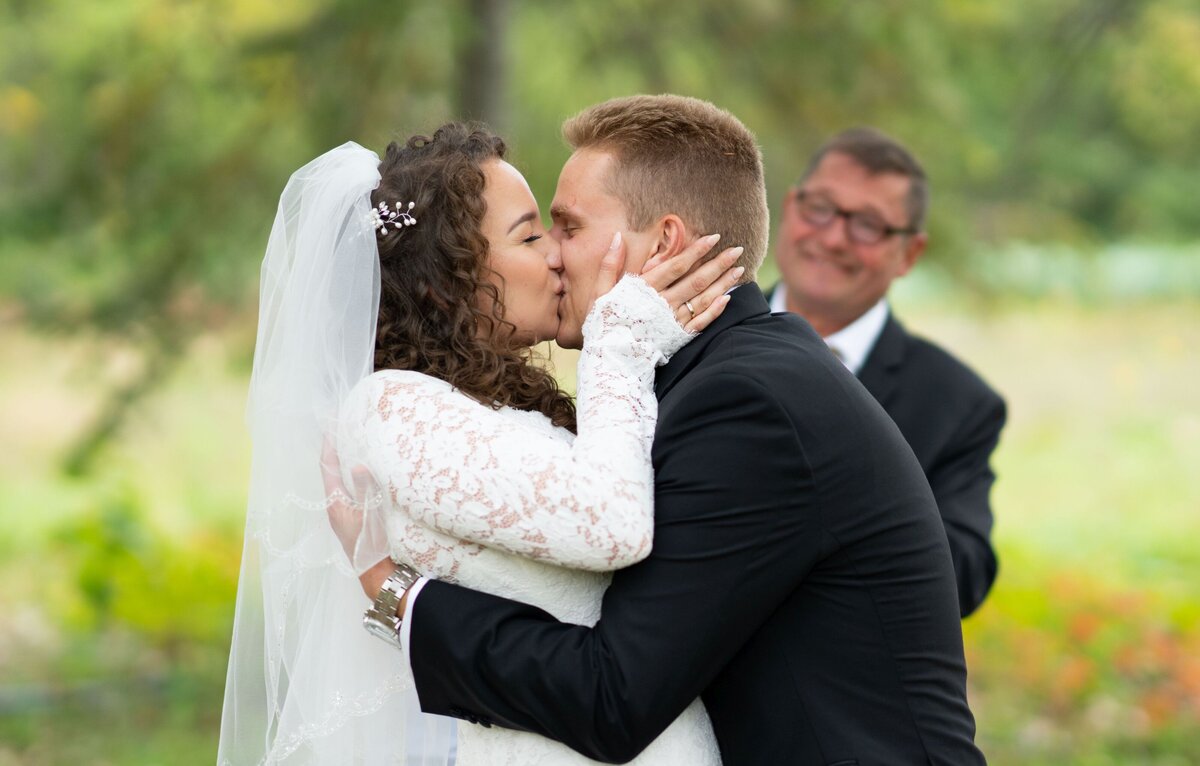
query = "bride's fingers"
{"x": 659, "y": 272}
{"x": 697, "y": 306}
{"x": 700, "y": 279}
{"x": 706, "y": 317}
{"x": 612, "y": 266}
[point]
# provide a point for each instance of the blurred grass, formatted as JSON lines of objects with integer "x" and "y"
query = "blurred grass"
{"x": 117, "y": 587}
{"x": 1088, "y": 649}
{"x": 122, "y": 724}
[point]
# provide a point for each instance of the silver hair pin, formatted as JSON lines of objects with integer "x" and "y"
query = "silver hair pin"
{"x": 382, "y": 215}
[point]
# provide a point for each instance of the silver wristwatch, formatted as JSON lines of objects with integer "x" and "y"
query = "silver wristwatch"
{"x": 382, "y": 620}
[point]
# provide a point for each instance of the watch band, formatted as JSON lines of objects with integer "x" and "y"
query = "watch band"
{"x": 382, "y": 620}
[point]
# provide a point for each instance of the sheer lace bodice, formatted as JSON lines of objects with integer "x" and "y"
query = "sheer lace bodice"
{"x": 502, "y": 501}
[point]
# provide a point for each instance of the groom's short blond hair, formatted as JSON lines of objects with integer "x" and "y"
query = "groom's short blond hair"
{"x": 684, "y": 156}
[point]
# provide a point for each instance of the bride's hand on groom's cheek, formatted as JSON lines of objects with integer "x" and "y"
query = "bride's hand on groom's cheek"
{"x": 695, "y": 290}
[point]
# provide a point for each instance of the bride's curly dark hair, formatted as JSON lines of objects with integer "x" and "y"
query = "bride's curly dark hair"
{"x": 433, "y": 274}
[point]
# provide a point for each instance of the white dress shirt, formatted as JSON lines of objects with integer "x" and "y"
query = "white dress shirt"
{"x": 406, "y": 622}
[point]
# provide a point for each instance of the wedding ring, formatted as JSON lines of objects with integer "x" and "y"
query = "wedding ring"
{"x": 688, "y": 305}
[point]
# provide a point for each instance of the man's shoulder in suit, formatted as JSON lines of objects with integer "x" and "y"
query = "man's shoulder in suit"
{"x": 940, "y": 373}
{"x": 775, "y": 349}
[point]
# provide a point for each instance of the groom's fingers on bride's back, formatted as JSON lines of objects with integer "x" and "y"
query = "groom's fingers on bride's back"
{"x": 330, "y": 465}
{"x": 362, "y": 480}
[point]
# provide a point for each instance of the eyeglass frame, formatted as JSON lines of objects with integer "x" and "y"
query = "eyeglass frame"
{"x": 889, "y": 231}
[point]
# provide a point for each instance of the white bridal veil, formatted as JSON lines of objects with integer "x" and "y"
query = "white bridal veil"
{"x": 306, "y": 683}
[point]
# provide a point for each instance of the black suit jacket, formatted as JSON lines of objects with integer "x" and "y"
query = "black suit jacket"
{"x": 952, "y": 420}
{"x": 799, "y": 582}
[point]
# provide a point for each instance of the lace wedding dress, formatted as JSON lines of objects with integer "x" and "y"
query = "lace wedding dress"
{"x": 502, "y": 501}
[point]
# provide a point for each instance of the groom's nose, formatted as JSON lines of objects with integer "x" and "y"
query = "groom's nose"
{"x": 554, "y": 259}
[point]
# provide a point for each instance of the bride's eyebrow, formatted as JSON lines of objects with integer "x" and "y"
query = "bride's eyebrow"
{"x": 523, "y": 219}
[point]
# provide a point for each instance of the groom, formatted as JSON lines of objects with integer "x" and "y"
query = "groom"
{"x": 800, "y": 580}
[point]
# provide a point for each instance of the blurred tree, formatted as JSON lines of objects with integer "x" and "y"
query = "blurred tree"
{"x": 145, "y": 141}
{"x": 483, "y": 63}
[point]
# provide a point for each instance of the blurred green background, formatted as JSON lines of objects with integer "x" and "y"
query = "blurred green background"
{"x": 144, "y": 145}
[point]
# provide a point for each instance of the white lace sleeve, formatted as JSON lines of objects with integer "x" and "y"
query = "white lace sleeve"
{"x": 477, "y": 474}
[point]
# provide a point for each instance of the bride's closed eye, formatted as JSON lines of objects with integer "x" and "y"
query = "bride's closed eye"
{"x": 531, "y": 239}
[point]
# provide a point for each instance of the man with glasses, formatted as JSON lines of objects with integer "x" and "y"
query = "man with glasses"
{"x": 853, "y": 223}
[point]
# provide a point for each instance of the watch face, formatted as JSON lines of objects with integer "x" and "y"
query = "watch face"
{"x": 381, "y": 629}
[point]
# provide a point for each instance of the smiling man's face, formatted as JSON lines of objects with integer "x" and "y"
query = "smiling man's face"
{"x": 585, "y": 218}
{"x": 831, "y": 279}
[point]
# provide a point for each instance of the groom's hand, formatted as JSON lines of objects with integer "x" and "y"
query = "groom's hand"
{"x": 346, "y": 515}
{"x": 372, "y": 581}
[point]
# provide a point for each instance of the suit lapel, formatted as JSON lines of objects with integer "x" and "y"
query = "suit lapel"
{"x": 744, "y": 302}
{"x": 880, "y": 372}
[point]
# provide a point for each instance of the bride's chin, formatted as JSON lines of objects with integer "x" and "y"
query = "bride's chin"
{"x": 532, "y": 337}
{"x": 550, "y": 329}
{"x": 549, "y": 334}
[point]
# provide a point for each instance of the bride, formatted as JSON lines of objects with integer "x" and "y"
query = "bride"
{"x": 399, "y": 303}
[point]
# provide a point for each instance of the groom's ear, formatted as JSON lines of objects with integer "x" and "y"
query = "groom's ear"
{"x": 671, "y": 237}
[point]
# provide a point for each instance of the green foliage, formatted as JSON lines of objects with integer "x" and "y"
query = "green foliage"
{"x": 133, "y": 578}
{"x": 143, "y": 145}
{"x": 145, "y": 142}
{"x": 127, "y": 724}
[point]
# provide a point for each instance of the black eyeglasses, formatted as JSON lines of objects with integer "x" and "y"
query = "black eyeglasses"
{"x": 861, "y": 228}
